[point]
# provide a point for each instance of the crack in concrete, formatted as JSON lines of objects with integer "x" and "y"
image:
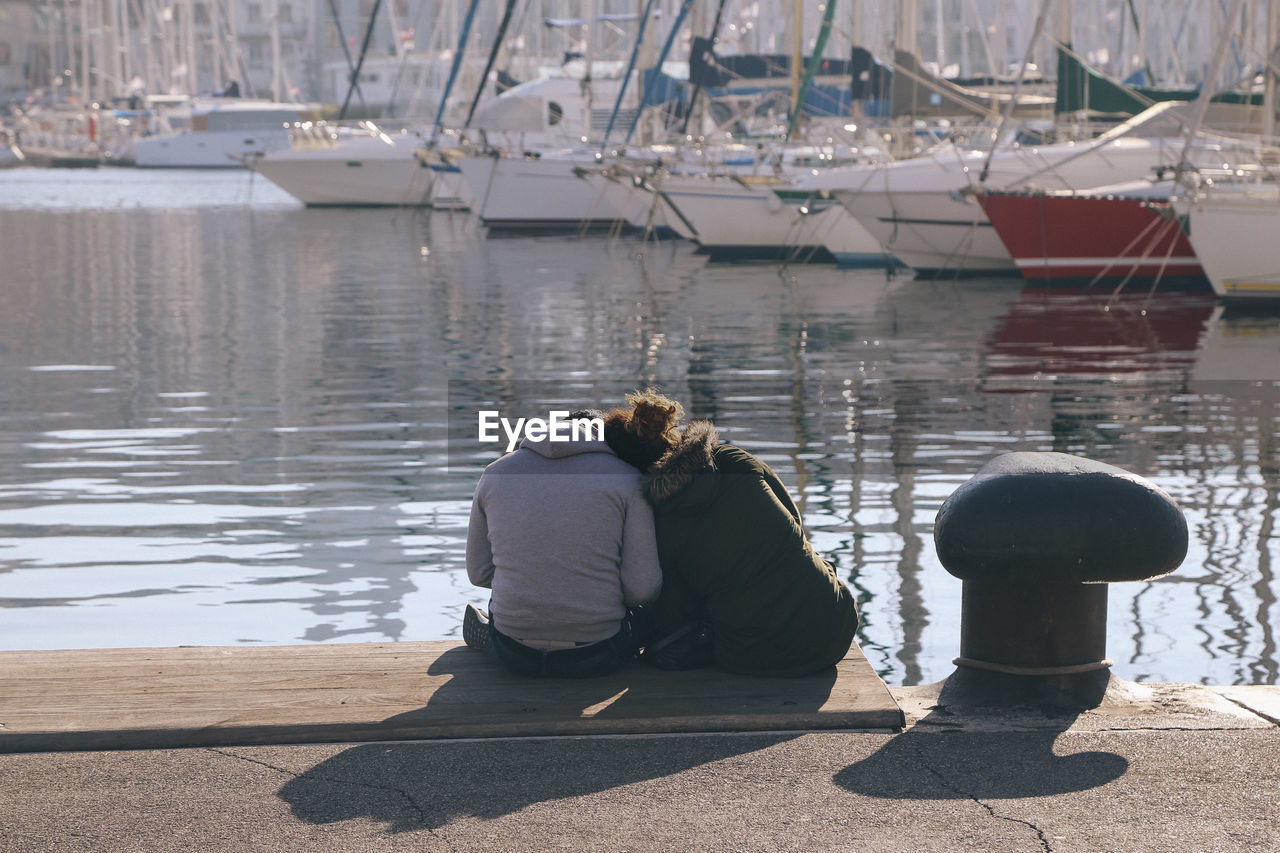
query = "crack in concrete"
{"x": 420, "y": 813}
{"x": 937, "y": 774}
{"x": 949, "y": 728}
{"x": 1044, "y": 842}
{"x": 1168, "y": 729}
{"x": 1270, "y": 719}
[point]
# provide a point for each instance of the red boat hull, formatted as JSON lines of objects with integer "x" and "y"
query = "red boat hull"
{"x": 1074, "y": 240}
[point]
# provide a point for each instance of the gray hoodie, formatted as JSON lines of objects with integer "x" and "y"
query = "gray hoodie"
{"x": 562, "y": 534}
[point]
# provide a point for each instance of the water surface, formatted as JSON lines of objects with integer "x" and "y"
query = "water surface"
{"x": 225, "y": 418}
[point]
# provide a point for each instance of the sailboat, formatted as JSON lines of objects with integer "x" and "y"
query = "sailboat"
{"x": 554, "y": 130}
{"x": 1130, "y": 231}
{"x": 763, "y": 208}
{"x": 360, "y": 163}
{"x": 1110, "y": 235}
{"x": 1232, "y": 219}
{"x": 927, "y": 212}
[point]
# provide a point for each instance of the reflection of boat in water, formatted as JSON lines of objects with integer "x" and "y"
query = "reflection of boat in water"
{"x": 1093, "y": 333}
{"x": 1241, "y": 345}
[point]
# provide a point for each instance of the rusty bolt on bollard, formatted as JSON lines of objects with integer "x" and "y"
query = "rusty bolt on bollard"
{"x": 1036, "y": 537}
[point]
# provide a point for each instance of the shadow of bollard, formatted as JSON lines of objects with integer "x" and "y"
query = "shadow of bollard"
{"x": 979, "y": 765}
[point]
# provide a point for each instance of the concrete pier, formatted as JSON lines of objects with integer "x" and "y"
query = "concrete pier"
{"x": 643, "y": 761}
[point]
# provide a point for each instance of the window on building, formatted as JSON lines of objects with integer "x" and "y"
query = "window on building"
{"x": 202, "y": 14}
{"x": 255, "y": 51}
{"x": 402, "y": 12}
{"x": 255, "y": 12}
{"x": 4, "y": 53}
{"x": 284, "y": 13}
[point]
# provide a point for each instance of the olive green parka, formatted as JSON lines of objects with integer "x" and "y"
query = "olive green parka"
{"x": 734, "y": 554}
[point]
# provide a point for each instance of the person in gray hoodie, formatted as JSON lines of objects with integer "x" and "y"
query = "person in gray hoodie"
{"x": 560, "y": 532}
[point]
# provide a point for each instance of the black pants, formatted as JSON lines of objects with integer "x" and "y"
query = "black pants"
{"x": 581, "y": 662}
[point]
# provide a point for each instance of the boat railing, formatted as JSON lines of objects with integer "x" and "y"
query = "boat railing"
{"x": 324, "y": 135}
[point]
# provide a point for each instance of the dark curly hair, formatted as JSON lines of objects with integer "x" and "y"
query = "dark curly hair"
{"x": 644, "y": 429}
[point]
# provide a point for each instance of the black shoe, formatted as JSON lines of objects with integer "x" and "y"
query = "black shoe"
{"x": 476, "y": 629}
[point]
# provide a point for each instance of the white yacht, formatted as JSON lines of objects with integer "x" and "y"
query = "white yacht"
{"x": 217, "y": 133}
{"x": 355, "y": 165}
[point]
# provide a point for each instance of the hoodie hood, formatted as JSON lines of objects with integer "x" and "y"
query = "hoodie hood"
{"x": 695, "y": 454}
{"x": 561, "y": 449}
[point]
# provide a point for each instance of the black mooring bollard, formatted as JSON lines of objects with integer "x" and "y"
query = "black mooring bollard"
{"x": 1036, "y": 537}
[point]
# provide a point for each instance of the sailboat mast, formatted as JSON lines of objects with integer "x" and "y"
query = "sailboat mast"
{"x": 1201, "y": 105}
{"x": 676, "y": 26}
{"x": 1017, "y": 89}
{"x": 626, "y": 75}
{"x": 587, "y": 85}
{"x": 697, "y": 89}
{"x": 493, "y": 56}
{"x": 84, "y": 52}
{"x": 904, "y": 32}
{"x": 70, "y": 78}
{"x": 797, "y": 51}
{"x": 277, "y": 90}
{"x": 940, "y": 38}
{"x": 191, "y": 60}
{"x": 364, "y": 49}
{"x": 1272, "y": 48}
{"x": 463, "y": 35}
{"x": 815, "y": 62}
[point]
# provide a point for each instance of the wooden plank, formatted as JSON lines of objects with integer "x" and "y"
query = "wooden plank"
{"x": 204, "y": 696}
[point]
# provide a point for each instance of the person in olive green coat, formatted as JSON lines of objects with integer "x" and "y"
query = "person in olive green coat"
{"x": 742, "y": 587}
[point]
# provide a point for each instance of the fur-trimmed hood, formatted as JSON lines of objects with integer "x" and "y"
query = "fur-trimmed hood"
{"x": 677, "y": 467}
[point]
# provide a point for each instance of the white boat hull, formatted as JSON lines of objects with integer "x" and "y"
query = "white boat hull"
{"x": 536, "y": 194}
{"x": 931, "y": 231}
{"x": 319, "y": 183}
{"x": 1233, "y": 238}
{"x": 640, "y": 206}
{"x": 734, "y": 219}
{"x": 450, "y": 190}
{"x": 208, "y": 149}
{"x": 364, "y": 172}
